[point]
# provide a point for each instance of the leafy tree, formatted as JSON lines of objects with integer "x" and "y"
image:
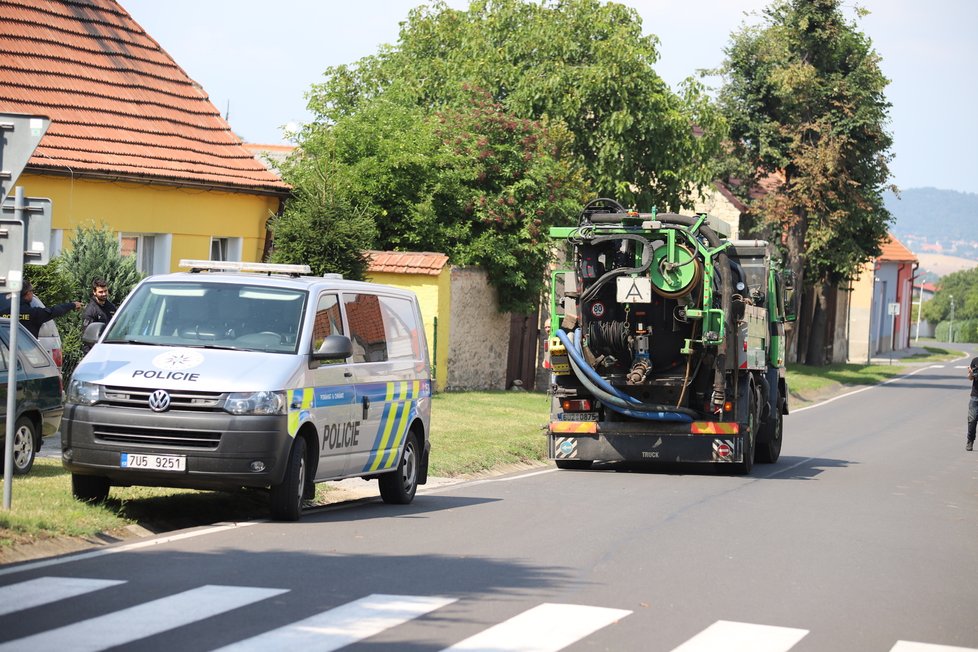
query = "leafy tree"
{"x": 580, "y": 62}
{"x": 94, "y": 254}
{"x": 804, "y": 98}
{"x": 473, "y": 182}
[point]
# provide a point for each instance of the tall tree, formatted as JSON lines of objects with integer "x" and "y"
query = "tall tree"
{"x": 580, "y": 62}
{"x": 804, "y": 96}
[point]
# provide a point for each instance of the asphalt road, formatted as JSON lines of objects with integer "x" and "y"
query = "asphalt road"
{"x": 863, "y": 537}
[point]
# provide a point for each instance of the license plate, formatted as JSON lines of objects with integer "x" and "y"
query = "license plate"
{"x": 577, "y": 416}
{"x": 154, "y": 462}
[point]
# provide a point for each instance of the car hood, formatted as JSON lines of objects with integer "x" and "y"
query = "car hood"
{"x": 208, "y": 370}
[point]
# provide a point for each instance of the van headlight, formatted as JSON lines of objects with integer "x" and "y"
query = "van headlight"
{"x": 255, "y": 403}
{"x": 83, "y": 393}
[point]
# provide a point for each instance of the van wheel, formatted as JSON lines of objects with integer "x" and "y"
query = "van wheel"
{"x": 25, "y": 445}
{"x": 90, "y": 488}
{"x": 398, "y": 487}
{"x": 287, "y": 497}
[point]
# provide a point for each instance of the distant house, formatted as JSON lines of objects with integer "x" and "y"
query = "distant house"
{"x": 879, "y": 303}
{"x": 469, "y": 340}
{"x": 134, "y": 143}
{"x": 923, "y": 292}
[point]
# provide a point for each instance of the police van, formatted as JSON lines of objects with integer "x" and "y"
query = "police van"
{"x": 252, "y": 375}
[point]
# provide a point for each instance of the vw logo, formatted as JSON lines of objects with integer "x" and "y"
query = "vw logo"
{"x": 159, "y": 401}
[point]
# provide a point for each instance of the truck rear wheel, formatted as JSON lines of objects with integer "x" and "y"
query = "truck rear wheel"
{"x": 769, "y": 441}
{"x": 748, "y": 428}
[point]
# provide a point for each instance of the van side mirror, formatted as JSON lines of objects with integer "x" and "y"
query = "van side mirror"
{"x": 92, "y": 332}
{"x": 334, "y": 348}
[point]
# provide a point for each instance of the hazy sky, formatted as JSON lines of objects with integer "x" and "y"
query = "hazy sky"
{"x": 256, "y": 60}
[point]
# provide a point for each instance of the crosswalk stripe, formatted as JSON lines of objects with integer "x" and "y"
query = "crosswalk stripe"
{"x": 44, "y": 590}
{"x": 134, "y": 623}
{"x": 726, "y": 636}
{"x": 911, "y": 646}
{"x": 544, "y": 628}
{"x": 346, "y": 624}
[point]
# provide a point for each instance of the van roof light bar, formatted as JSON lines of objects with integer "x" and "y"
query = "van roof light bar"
{"x": 197, "y": 266}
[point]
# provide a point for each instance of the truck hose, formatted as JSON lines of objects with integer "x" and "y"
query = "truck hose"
{"x": 614, "y": 398}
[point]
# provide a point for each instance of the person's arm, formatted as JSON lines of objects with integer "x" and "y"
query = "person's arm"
{"x": 61, "y": 309}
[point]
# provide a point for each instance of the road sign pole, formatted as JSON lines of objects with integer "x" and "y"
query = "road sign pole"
{"x": 14, "y": 284}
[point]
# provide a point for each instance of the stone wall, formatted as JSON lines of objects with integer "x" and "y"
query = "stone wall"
{"x": 479, "y": 345}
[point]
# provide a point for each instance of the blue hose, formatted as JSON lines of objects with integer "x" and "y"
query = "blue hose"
{"x": 613, "y": 398}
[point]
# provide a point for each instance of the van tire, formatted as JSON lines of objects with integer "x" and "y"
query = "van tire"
{"x": 286, "y": 503}
{"x": 89, "y": 488}
{"x": 399, "y": 486}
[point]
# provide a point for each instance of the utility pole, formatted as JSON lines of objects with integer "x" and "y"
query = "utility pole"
{"x": 950, "y": 334}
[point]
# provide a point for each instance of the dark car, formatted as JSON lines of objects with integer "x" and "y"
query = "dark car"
{"x": 39, "y": 396}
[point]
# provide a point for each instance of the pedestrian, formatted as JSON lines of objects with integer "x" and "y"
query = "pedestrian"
{"x": 99, "y": 308}
{"x": 972, "y": 404}
{"x": 32, "y": 317}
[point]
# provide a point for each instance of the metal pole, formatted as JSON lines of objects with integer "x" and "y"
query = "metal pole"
{"x": 8, "y": 442}
{"x": 950, "y": 332}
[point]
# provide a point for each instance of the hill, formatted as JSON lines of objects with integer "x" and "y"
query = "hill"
{"x": 930, "y": 220}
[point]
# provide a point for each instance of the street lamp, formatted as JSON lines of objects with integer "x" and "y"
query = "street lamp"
{"x": 950, "y": 335}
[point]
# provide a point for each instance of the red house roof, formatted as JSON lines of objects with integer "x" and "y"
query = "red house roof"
{"x": 401, "y": 262}
{"x": 893, "y": 250}
{"x": 120, "y": 107}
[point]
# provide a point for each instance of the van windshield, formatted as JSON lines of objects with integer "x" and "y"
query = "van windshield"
{"x": 213, "y": 315}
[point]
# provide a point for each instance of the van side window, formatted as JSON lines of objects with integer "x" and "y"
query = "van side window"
{"x": 400, "y": 327}
{"x": 328, "y": 321}
{"x": 366, "y": 327}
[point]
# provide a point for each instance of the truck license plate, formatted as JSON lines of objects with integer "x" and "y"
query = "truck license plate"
{"x": 577, "y": 416}
{"x": 154, "y": 462}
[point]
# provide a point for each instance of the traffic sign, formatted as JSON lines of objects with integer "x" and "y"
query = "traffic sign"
{"x": 11, "y": 252}
{"x": 36, "y": 216}
{"x": 19, "y": 137}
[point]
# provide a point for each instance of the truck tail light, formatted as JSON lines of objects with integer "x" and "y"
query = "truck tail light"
{"x": 576, "y": 405}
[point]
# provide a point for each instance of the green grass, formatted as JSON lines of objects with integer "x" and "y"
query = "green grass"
{"x": 470, "y": 432}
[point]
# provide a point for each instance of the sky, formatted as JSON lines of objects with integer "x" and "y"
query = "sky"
{"x": 257, "y": 59}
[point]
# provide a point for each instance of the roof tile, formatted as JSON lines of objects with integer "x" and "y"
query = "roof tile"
{"x": 118, "y": 103}
{"x": 406, "y": 262}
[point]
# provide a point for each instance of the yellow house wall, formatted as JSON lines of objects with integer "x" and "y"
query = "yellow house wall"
{"x": 192, "y": 216}
{"x": 860, "y": 315}
{"x": 435, "y": 301}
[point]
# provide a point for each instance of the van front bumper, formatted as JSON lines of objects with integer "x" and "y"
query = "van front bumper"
{"x": 222, "y": 451}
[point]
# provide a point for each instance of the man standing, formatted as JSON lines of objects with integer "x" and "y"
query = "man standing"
{"x": 99, "y": 308}
{"x": 972, "y": 404}
{"x": 32, "y": 317}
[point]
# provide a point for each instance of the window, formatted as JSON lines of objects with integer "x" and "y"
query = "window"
{"x": 328, "y": 321}
{"x": 402, "y": 339}
{"x": 366, "y": 327}
{"x": 140, "y": 246}
{"x": 152, "y": 251}
{"x": 226, "y": 249}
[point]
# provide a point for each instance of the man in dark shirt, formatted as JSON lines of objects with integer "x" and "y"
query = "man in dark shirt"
{"x": 33, "y": 317}
{"x": 99, "y": 308}
{"x": 972, "y": 404}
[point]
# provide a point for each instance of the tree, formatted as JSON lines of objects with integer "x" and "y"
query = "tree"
{"x": 94, "y": 254}
{"x": 473, "y": 181}
{"x": 582, "y": 63}
{"x": 804, "y": 98}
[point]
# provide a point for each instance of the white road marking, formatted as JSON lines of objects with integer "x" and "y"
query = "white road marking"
{"x": 910, "y": 646}
{"x": 44, "y": 590}
{"x": 343, "y": 625}
{"x": 147, "y": 619}
{"x": 726, "y": 636}
{"x": 544, "y": 628}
